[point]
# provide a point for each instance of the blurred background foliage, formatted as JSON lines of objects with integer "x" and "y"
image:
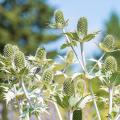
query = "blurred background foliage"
{"x": 25, "y": 23}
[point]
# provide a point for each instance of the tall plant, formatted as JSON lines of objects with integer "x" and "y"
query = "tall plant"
{"x": 30, "y": 82}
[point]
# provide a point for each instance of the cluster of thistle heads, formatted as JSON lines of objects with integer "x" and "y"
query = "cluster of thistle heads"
{"x": 46, "y": 69}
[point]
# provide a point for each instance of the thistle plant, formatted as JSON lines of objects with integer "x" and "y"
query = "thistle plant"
{"x": 29, "y": 83}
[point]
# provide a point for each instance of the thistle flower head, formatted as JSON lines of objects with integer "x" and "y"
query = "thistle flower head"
{"x": 41, "y": 53}
{"x": 110, "y": 64}
{"x": 82, "y": 26}
{"x": 77, "y": 115}
{"x": 48, "y": 75}
{"x": 108, "y": 43}
{"x": 68, "y": 87}
{"x": 8, "y": 51}
{"x": 59, "y": 19}
{"x": 19, "y": 60}
{"x": 70, "y": 57}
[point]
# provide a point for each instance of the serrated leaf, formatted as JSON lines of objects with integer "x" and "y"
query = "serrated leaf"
{"x": 72, "y": 35}
{"x": 72, "y": 43}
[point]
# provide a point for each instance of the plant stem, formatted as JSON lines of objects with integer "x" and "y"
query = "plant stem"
{"x": 94, "y": 101}
{"x": 20, "y": 108}
{"x": 59, "y": 114}
{"x": 110, "y": 101}
{"x": 68, "y": 40}
{"x": 70, "y": 115}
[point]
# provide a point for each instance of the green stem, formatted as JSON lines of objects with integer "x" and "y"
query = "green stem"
{"x": 68, "y": 40}
{"x": 94, "y": 101}
{"x": 110, "y": 101}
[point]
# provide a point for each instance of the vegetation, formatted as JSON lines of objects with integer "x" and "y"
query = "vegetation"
{"x": 29, "y": 83}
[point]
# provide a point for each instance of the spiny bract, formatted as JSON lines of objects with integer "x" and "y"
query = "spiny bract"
{"x": 19, "y": 60}
{"x": 110, "y": 64}
{"x": 68, "y": 87}
{"x": 82, "y": 26}
{"x": 40, "y": 54}
{"x": 108, "y": 43}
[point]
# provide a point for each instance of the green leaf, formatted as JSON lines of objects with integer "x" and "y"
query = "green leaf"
{"x": 72, "y": 43}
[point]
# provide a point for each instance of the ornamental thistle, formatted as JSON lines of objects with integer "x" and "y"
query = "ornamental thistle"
{"x": 70, "y": 57}
{"x": 48, "y": 75}
{"x": 110, "y": 64}
{"x": 8, "y": 51}
{"x": 40, "y": 54}
{"x": 59, "y": 19}
{"x": 68, "y": 87}
{"x": 77, "y": 115}
{"x": 19, "y": 60}
{"x": 108, "y": 44}
{"x": 82, "y": 26}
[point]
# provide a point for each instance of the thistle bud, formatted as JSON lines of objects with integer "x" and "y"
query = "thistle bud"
{"x": 110, "y": 64}
{"x": 70, "y": 57}
{"x": 68, "y": 87}
{"x": 59, "y": 19}
{"x": 108, "y": 43}
{"x": 82, "y": 26}
{"x": 41, "y": 53}
{"x": 77, "y": 115}
{"x": 47, "y": 75}
{"x": 19, "y": 60}
{"x": 8, "y": 51}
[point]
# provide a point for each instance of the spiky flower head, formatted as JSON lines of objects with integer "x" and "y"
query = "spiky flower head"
{"x": 19, "y": 60}
{"x": 108, "y": 43}
{"x": 59, "y": 19}
{"x": 48, "y": 75}
{"x": 68, "y": 87}
{"x": 82, "y": 26}
{"x": 110, "y": 64}
{"x": 40, "y": 54}
{"x": 70, "y": 57}
{"x": 77, "y": 115}
{"x": 8, "y": 51}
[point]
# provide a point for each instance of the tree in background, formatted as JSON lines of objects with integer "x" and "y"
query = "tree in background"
{"x": 24, "y": 22}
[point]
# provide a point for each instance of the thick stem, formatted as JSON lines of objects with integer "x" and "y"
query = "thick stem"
{"x": 94, "y": 101}
{"x": 20, "y": 109}
{"x": 68, "y": 40}
{"x": 57, "y": 109}
{"x": 110, "y": 101}
{"x": 70, "y": 115}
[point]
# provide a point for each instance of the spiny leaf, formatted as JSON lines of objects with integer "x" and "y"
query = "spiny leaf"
{"x": 65, "y": 45}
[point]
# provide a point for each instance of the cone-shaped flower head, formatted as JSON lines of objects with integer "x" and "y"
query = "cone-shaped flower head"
{"x": 82, "y": 26}
{"x": 41, "y": 53}
{"x": 70, "y": 57}
{"x": 77, "y": 115}
{"x": 59, "y": 19}
{"x": 110, "y": 64}
{"x": 48, "y": 75}
{"x": 19, "y": 60}
{"x": 108, "y": 43}
{"x": 68, "y": 87}
{"x": 8, "y": 51}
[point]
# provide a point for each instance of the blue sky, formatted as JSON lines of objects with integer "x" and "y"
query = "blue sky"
{"x": 96, "y": 11}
